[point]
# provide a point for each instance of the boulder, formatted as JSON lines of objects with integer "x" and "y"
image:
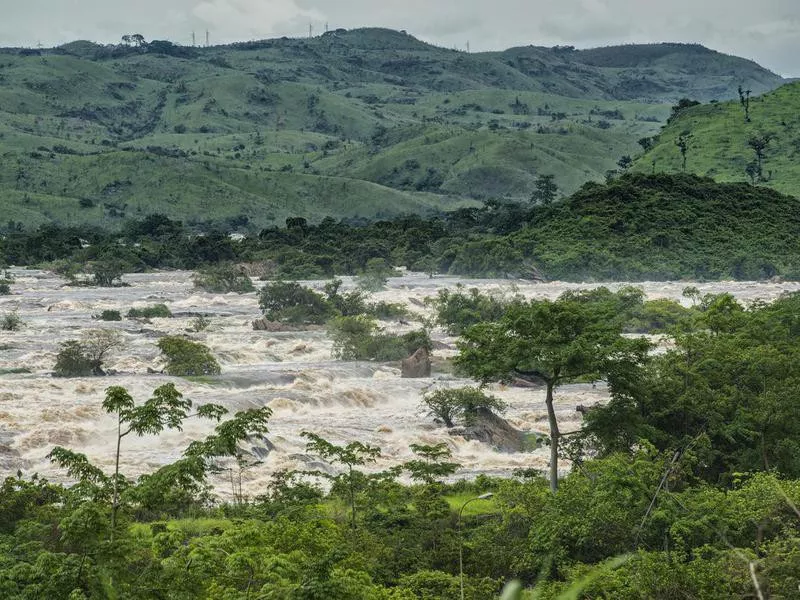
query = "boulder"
{"x": 417, "y": 365}
{"x": 488, "y": 428}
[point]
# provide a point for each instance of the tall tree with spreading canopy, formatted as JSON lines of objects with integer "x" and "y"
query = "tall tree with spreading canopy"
{"x": 554, "y": 342}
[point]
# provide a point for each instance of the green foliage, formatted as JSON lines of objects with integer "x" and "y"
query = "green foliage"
{"x": 375, "y": 275}
{"x": 73, "y": 361}
{"x": 186, "y": 358}
{"x": 358, "y": 338}
{"x": 110, "y": 315}
{"x": 457, "y": 310}
{"x": 290, "y": 302}
{"x": 724, "y": 393}
{"x": 449, "y": 405}
{"x": 155, "y": 311}
{"x": 660, "y": 227}
{"x": 10, "y": 322}
{"x": 223, "y": 278}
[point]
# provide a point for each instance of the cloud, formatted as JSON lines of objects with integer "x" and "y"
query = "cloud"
{"x": 243, "y": 19}
{"x": 767, "y": 31}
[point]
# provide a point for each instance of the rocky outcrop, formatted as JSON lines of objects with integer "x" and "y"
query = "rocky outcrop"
{"x": 488, "y": 428}
{"x": 417, "y": 365}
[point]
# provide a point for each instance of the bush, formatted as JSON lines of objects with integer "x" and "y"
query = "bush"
{"x": 464, "y": 403}
{"x": 72, "y": 361}
{"x": 457, "y": 311}
{"x": 290, "y": 302}
{"x": 11, "y": 322}
{"x": 200, "y": 323}
{"x": 107, "y": 272}
{"x": 155, "y": 311}
{"x": 187, "y": 358}
{"x": 348, "y": 304}
{"x": 375, "y": 275}
{"x": 223, "y": 278}
{"x": 110, "y": 315}
{"x": 85, "y": 357}
{"x": 358, "y": 338}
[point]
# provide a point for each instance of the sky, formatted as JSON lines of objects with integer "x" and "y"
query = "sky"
{"x": 767, "y": 31}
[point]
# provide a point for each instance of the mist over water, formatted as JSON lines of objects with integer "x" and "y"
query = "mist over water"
{"x": 291, "y": 372}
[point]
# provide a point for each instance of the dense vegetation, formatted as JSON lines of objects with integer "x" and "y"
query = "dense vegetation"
{"x": 685, "y": 485}
{"x": 635, "y": 227}
{"x": 370, "y": 123}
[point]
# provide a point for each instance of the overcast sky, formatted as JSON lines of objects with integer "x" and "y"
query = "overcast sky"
{"x": 767, "y": 31}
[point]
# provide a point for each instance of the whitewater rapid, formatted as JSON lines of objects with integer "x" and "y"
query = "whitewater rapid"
{"x": 291, "y": 372}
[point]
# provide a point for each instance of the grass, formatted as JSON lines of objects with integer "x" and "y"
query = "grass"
{"x": 718, "y": 140}
{"x": 474, "y": 508}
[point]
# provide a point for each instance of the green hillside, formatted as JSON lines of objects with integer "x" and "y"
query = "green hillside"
{"x": 640, "y": 227}
{"x": 720, "y": 142}
{"x": 368, "y": 122}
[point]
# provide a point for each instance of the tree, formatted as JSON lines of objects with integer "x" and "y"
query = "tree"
{"x": 350, "y": 456}
{"x": 758, "y": 144}
{"x": 186, "y": 358}
{"x": 96, "y": 344}
{"x": 682, "y": 105}
{"x": 223, "y": 278}
{"x": 744, "y": 100}
{"x": 431, "y": 463}
{"x": 683, "y": 145}
{"x": 546, "y": 190}
{"x": 460, "y": 403}
{"x": 625, "y": 162}
{"x": 646, "y": 143}
{"x": 166, "y": 409}
{"x": 555, "y": 343}
{"x": 107, "y": 271}
{"x": 290, "y": 302}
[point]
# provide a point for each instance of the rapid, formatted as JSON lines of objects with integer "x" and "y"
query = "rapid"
{"x": 291, "y": 372}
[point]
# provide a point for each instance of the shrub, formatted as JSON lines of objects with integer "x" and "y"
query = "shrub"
{"x": 107, "y": 272}
{"x": 375, "y": 275}
{"x": 358, "y": 338}
{"x": 347, "y": 304}
{"x": 85, "y": 357}
{"x": 200, "y": 323}
{"x": 110, "y": 315}
{"x": 223, "y": 278}
{"x": 464, "y": 403}
{"x": 5, "y": 289}
{"x": 72, "y": 361}
{"x": 155, "y": 311}
{"x": 457, "y": 311}
{"x": 11, "y": 322}
{"x": 290, "y": 302}
{"x": 187, "y": 358}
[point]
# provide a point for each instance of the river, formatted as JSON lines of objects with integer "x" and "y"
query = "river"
{"x": 292, "y": 373}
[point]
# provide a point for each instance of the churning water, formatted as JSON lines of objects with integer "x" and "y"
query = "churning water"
{"x": 291, "y": 372}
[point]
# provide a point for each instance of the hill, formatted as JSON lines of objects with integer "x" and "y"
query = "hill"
{"x": 723, "y": 144}
{"x": 659, "y": 227}
{"x": 369, "y": 123}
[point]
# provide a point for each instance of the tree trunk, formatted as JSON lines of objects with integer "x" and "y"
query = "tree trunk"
{"x": 115, "y": 499}
{"x": 554, "y": 437}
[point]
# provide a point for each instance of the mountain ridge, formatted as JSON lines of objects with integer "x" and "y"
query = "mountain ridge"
{"x": 394, "y": 124}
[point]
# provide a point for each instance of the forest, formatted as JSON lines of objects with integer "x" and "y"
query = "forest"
{"x": 635, "y": 227}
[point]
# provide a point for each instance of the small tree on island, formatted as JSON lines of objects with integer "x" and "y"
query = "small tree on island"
{"x": 554, "y": 342}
